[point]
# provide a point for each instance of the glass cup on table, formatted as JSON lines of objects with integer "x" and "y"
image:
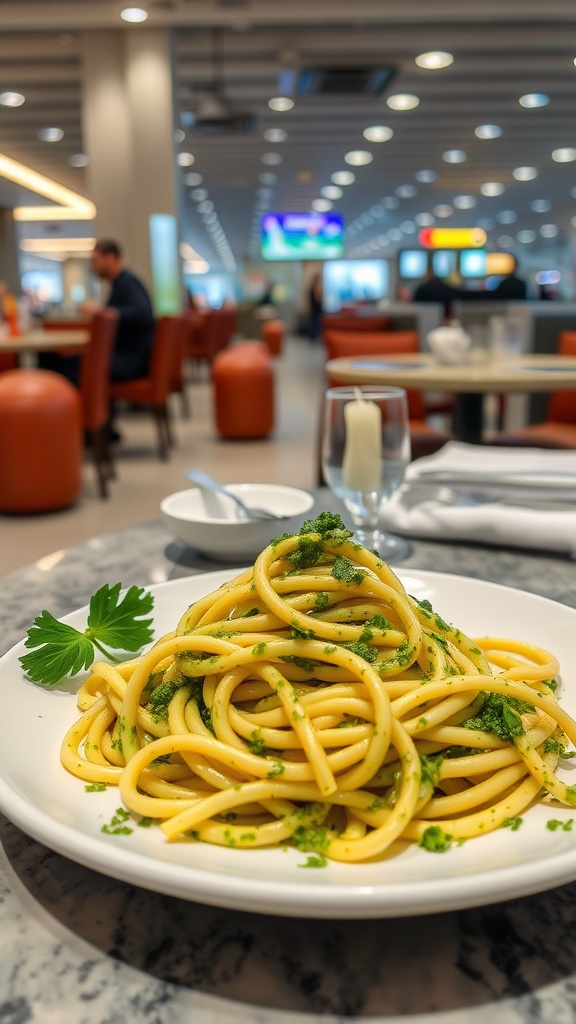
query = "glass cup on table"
{"x": 365, "y": 451}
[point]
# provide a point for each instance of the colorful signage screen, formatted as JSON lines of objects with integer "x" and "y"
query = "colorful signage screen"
{"x": 302, "y": 236}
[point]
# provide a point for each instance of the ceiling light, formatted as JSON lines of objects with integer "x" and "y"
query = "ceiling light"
{"x": 134, "y": 15}
{"x": 486, "y": 223}
{"x": 367, "y": 219}
{"x": 185, "y": 159}
{"x": 541, "y": 205}
{"x": 534, "y": 99}
{"x": 72, "y": 206}
{"x": 304, "y": 176}
{"x": 492, "y": 188}
{"x": 390, "y": 202}
{"x": 11, "y": 99}
{"x": 525, "y": 173}
{"x": 267, "y": 177}
{"x": 548, "y": 231}
{"x": 377, "y": 211}
{"x": 507, "y": 216}
{"x": 505, "y": 241}
{"x": 443, "y": 210}
{"x": 78, "y": 160}
{"x": 454, "y": 156}
{"x": 358, "y": 157}
{"x": 408, "y": 227}
{"x": 179, "y": 135}
{"x": 199, "y": 194}
{"x": 271, "y": 158}
{"x": 526, "y": 236}
{"x": 51, "y": 134}
{"x": 205, "y": 206}
{"x": 395, "y": 235}
{"x": 488, "y": 131}
{"x": 331, "y": 192}
{"x": 464, "y": 202}
{"x": 564, "y": 155}
{"x": 424, "y": 220}
{"x": 378, "y": 133}
{"x": 321, "y": 205}
{"x": 266, "y": 192}
{"x": 426, "y": 175}
{"x": 343, "y": 177}
{"x": 280, "y": 103}
{"x": 193, "y": 179}
{"x": 403, "y": 101}
{"x": 433, "y": 60}
{"x": 275, "y": 135}
{"x": 54, "y": 245}
{"x": 405, "y": 191}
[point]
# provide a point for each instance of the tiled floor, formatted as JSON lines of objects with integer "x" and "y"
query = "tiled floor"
{"x": 289, "y": 456}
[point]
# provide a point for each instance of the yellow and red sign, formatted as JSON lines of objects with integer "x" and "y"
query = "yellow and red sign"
{"x": 452, "y": 238}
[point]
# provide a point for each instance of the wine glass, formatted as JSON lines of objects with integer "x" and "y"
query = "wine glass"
{"x": 365, "y": 451}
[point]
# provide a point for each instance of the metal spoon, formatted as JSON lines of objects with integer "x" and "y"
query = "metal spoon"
{"x": 207, "y": 483}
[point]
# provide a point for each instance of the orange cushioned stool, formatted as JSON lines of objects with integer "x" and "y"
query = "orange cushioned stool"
{"x": 273, "y": 335}
{"x": 40, "y": 441}
{"x": 244, "y": 391}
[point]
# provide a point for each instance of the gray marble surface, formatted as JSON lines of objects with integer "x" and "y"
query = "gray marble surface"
{"x": 77, "y": 947}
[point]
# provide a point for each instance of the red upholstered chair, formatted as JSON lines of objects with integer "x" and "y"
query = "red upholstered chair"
{"x": 40, "y": 441}
{"x": 8, "y": 361}
{"x": 349, "y": 322}
{"x": 273, "y": 335}
{"x": 94, "y": 385}
{"x": 345, "y": 344}
{"x": 243, "y": 381}
{"x": 152, "y": 391}
{"x": 559, "y": 429}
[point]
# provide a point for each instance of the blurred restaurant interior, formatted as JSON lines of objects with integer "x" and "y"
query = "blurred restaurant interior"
{"x": 314, "y": 194}
{"x": 191, "y": 132}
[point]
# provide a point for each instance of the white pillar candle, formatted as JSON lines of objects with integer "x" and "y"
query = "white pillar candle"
{"x": 363, "y": 448}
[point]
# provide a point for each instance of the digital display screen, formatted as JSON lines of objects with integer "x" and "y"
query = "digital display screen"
{"x": 350, "y": 281}
{"x": 473, "y": 263}
{"x": 412, "y": 264}
{"x": 443, "y": 263}
{"x": 302, "y": 236}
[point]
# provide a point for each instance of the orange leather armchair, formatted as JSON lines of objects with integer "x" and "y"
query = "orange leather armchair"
{"x": 152, "y": 391}
{"x": 559, "y": 429}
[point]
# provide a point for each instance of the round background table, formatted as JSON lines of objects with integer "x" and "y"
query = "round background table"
{"x": 77, "y": 947}
{"x": 469, "y": 381}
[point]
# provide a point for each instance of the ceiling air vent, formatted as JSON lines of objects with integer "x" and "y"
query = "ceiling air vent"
{"x": 343, "y": 81}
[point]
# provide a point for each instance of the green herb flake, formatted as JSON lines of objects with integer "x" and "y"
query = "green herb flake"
{"x": 369, "y": 654}
{"x": 328, "y": 524}
{"x": 256, "y": 744}
{"x": 96, "y": 787}
{"x": 512, "y": 823}
{"x": 316, "y": 860}
{"x": 307, "y": 554}
{"x": 553, "y": 824}
{"x": 431, "y": 765}
{"x": 160, "y": 698}
{"x": 117, "y": 826}
{"x": 145, "y": 822}
{"x": 344, "y": 571}
{"x": 435, "y": 840}
{"x": 500, "y": 715}
{"x": 314, "y": 839}
{"x": 322, "y": 600}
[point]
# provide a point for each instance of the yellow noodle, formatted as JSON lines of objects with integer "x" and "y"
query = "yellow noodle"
{"x": 311, "y": 700}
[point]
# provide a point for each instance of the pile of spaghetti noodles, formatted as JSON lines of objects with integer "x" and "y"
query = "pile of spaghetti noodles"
{"x": 312, "y": 701}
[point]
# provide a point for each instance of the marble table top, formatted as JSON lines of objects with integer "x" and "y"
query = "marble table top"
{"x": 77, "y": 947}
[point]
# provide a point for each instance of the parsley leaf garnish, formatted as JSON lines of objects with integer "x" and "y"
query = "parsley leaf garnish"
{"x": 62, "y": 650}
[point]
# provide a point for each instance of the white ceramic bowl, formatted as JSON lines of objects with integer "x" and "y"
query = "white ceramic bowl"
{"x": 208, "y": 522}
{"x": 449, "y": 344}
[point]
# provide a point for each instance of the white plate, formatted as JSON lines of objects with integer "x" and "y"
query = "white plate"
{"x": 53, "y": 807}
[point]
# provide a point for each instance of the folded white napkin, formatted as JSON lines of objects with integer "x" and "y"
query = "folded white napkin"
{"x": 498, "y": 473}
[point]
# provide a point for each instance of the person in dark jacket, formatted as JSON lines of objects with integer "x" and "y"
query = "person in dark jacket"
{"x": 136, "y": 323}
{"x": 510, "y": 287}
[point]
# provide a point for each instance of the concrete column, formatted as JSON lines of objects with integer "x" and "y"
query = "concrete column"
{"x": 128, "y": 123}
{"x": 9, "y": 268}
